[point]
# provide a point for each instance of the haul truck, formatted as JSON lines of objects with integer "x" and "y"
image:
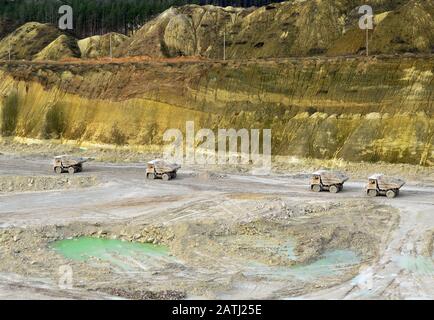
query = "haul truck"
{"x": 161, "y": 169}
{"x": 68, "y": 164}
{"x": 381, "y": 185}
{"x": 325, "y": 180}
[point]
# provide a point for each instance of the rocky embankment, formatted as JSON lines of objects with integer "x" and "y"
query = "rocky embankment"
{"x": 296, "y": 28}
{"x": 291, "y": 28}
{"x": 351, "y": 108}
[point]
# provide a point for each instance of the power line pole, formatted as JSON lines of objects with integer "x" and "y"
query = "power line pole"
{"x": 366, "y": 22}
{"x": 224, "y": 45}
{"x": 367, "y": 42}
{"x": 111, "y": 50}
{"x": 9, "y": 48}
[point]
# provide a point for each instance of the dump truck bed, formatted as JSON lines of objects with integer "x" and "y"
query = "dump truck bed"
{"x": 331, "y": 177}
{"x": 71, "y": 161}
{"x": 162, "y": 166}
{"x": 387, "y": 183}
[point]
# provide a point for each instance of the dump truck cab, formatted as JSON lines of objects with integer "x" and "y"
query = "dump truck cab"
{"x": 382, "y": 185}
{"x": 65, "y": 163}
{"x": 161, "y": 169}
{"x": 326, "y": 180}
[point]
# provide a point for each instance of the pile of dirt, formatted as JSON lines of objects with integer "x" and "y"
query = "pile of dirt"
{"x": 407, "y": 29}
{"x": 64, "y": 47}
{"x": 291, "y": 28}
{"x": 41, "y": 183}
{"x": 28, "y": 40}
{"x": 99, "y": 46}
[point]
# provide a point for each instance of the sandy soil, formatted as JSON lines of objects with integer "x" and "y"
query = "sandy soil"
{"x": 224, "y": 231}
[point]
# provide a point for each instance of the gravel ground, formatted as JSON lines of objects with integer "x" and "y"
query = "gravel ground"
{"x": 209, "y": 219}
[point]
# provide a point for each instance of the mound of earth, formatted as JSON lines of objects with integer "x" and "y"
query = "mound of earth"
{"x": 28, "y": 40}
{"x": 62, "y": 48}
{"x": 292, "y": 28}
{"x": 99, "y": 46}
{"x": 409, "y": 28}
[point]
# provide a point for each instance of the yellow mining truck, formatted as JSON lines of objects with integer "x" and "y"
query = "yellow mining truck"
{"x": 381, "y": 185}
{"x": 161, "y": 169}
{"x": 325, "y": 180}
{"x": 68, "y": 164}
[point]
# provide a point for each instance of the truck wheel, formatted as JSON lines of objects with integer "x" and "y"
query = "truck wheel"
{"x": 174, "y": 175}
{"x": 150, "y": 176}
{"x": 316, "y": 188}
{"x": 58, "y": 170}
{"x": 71, "y": 170}
{"x": 390, "y": 194}
{"x": 334, "y": 189}
{"x": 165, "y": 177}
{"x": 372, "y": 193}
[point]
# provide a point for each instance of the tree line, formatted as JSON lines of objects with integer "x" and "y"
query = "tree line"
{"x": 92, "y": 17}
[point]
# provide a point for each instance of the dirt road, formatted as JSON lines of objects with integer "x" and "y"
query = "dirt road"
{"x": 396, "y": 260}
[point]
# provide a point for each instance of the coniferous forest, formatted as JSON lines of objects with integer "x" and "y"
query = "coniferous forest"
{"x": 101, "y": 16}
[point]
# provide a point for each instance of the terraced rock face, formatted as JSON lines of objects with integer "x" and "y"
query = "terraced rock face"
{"x": 292, "y": 28}
{"x": 377, "y": 109}
{"x": 28, "y": 40}
{"x": 99, "y": 46}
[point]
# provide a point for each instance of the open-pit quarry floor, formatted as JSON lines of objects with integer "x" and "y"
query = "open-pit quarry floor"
{"x": 222, "y": 235}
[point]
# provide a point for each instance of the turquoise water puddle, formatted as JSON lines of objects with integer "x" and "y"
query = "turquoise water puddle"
{"x": 420, "y": 265}
{"x": 132, "y": 257}
{"x": 331, "y": 263}
{"x": 122, "y": 254}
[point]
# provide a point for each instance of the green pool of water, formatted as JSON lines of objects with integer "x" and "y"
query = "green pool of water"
{"x": 123, "y": 254}
{"x": 331, "y": 263}
{"x": 419, "y": 264}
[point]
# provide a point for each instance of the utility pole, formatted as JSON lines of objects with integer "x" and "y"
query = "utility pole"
{"x": 111, "y": 52}
{"x": 9, "y": 48}
{"x": 366, "y": 22}
{"x": 224, "y": 45}
{"x": 367, "y": 42}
